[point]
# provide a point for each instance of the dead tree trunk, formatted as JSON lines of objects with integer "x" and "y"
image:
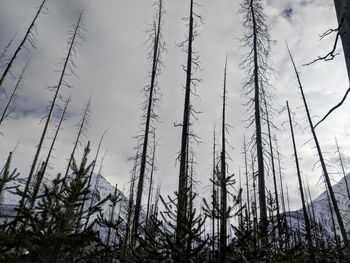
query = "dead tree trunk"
{"x": 223, "y": 180}
{"x": 155, "y": 67}
{"x": 257, "y": 40}
{"x": 151, "y": 179}
{"x": 342, "y": 168}
{"x": 130, "y": 209}
{"x": 214, "y": 200}
{"x": 7, "y": 109}
{"x": 67, "y": 65}
{"x": 182, "y": 191}
{"x": 81, "y": 130}
{"x": 42, "y": 171}
{"x": 342, "y": 8}
{"x": 278, "y": 216}
{"x": 301, "y": 188}
{"x": 323, "y": 165}
{"x": 331, "y": 214}
{"x": 3, "y": 54}
{"x": 247, "y": 182}
{"x": 27, "y": 38}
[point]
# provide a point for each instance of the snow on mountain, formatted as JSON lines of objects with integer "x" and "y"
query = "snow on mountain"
{"x": 10, "y": 200}
{"x": 322, "y": 210}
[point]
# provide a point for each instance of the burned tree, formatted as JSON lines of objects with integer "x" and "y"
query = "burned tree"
{"x": 42, "y": 170}
{"x": 301, "y": 188}
{"x": 256, "y": 66}
{"x": 11, "y": 100}
{"x": 182, "y": 193}
{"x": 274, "y": 176}
{"x": 342, "y": 8}
{"x": 82, "y": 131}
{"x": 223, "y": 178}
{"x": 29, "y": 37}
{"x": 74, "y": 41}
{"x": 323, "y": 163}
{"x": 340, "y": 156}
{"x": 152, "y": 91}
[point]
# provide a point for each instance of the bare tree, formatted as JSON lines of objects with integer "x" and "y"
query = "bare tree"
{"x": 223, "y": 178}
{"x": 182, "y": 195}
{"x": 3, "y": 54}
{"x": 82, "y": 131}
{"x": 323, "y": 164}
{"x": 151, "y": 180}
{"x": 340, "y": 155}
{"x": 11, "y": 100}
{"x": 273, "y": 166}
{"x": 157, "y": 48}
{"x": 342, "y": 8}
{"x": 256, "y": 66}
{"x": 28, "y": 37}
{"x": 301, "y": 188}
{"x": 75, "y": 40}
{"x": 42, "y": 170}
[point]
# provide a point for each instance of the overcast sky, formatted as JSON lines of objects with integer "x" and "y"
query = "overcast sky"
{"x": 113, "y": 67}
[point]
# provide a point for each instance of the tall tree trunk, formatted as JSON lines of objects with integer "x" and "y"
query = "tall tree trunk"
{"x": 288, "y": 204}
{"x": 223, "y": 180}
{"x": 278, "y": 217}
{"x": 77, "y": 140}
{"x": 27, "y": 38}
{"x": 42, "y": 171}
{"x": 66, "y": 66}
{"x": 301, "y": 188}
{"x": 258, "y": 130}
{"x": 7, "y": 109}
{"x": 155, "y": 63}
{"x": 5, "y": 50}
{"x": 90, "y": 177}
{"x": 343, "y": 169}
{"x": 130, "y": 210}
{"x": 214, "y": 200}
{"x": 331, "y": 214}
{"x": 149, "y": 199}
{"x": 323, "y": 165}
{"x": 182, "y": 191}
{"x": 342, "y": 8}
{"x": 247, "y": 182}
{"x": 282, "y": 193}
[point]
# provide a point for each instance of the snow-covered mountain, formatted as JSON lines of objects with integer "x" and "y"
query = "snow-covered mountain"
{"x": 322, "y": 210}
{"x": 10, "y": 200}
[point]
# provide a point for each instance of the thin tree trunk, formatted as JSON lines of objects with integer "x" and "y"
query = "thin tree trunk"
{"x": 155, "y": 63}
{"x": 258, "y": 132}
{"x": 130, "y": 209}
{"x": 182, "y": 191}
{"x": 149, "y": 199}
{"x": 6, "y": 112}
{"x": 343, "y": 169}
{"x": 247, "y": 182}
{"x": 41, "y": 173}
{"x": 301, "y": 188}
{"x": 323, "y": 165}
{"x": 279, "y": 226}
{"x": 77, "y": 140}
{"x": 282, "y": 193}
{"x": 7, "y": 47}
{"x": 26, "y": 38}
{"x": 52, "y": 107}
{"x": 331, "y": 214}
{"x": 214, "y": 204}
{"x": 223, "y": 183}
{"x": 342, "y": 8}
